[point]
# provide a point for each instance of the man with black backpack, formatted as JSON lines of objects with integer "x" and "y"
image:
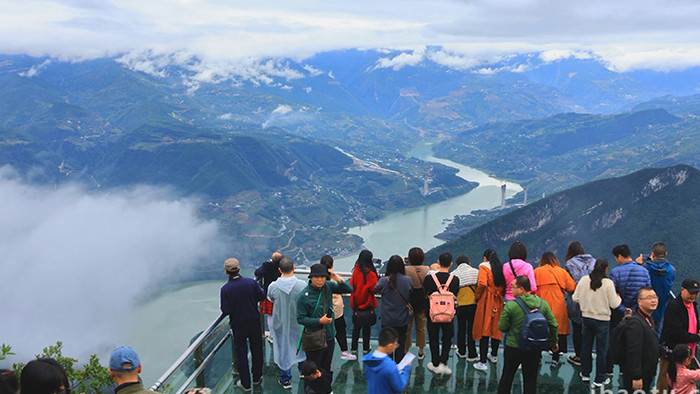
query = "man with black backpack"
{"x": 641, "y": 346}
{"x": 530, "y": 328}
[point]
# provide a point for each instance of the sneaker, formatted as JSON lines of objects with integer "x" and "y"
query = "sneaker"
{"x": 584, "y": 377}
{"x": 444, "y": 369}
{"x": 601, "y": 384}
{"x": 574, "y": 360}
{"x": 421, "y": 355}
{"x": 481, "y": 366}
{"x": 472, "y": 359}
{"x": 367, "y": 351}
{"x": 240, "y": 386}
{"x": 555, "y": 364}
{"x": 492, "y": 358}
{"x": 286, "y": 384}
{"x": 348, "y": 356}
{"x": 258, "y": 382}
{"x": 460, "y": 355}
{"x": 432, "y": 368}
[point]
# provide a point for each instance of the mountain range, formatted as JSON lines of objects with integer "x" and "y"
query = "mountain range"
{"x": 288, "y": 154}
{"x": 639, "y": 209}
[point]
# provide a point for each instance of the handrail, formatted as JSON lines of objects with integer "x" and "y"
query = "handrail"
{"x": 181, "y": 360}
{"x": 205, "y": 362}
{"x": 203, "y": 336}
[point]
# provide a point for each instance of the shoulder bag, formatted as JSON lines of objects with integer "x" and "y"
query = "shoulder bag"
{"x": 315, "y": 340}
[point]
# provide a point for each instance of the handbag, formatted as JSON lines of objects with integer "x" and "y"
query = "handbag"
{"x": 364, "y": 317}
{"x": 315, "y": 340}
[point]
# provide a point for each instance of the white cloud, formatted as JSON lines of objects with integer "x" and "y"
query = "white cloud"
{"x": 224, "y": 34}
{"x": 79, "y": 261}
{"x": 282, "y": 110}
{"x": 36, "y": 69}
{"x": 401, "y": 60}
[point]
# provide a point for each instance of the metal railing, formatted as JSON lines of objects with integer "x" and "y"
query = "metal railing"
{"x": 194, "y": 356}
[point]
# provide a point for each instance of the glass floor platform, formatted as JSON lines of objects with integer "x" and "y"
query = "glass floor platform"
{"x": 349, "y": 378}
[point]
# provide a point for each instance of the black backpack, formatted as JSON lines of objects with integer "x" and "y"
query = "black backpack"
{"x": 618, "y": 348}
{"x": 534, "y": 334}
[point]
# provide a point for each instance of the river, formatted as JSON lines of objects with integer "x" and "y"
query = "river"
{"x": 177, "y": 314}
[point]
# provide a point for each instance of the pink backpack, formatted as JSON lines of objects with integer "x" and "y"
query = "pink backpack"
{"x": 442, "y": 302}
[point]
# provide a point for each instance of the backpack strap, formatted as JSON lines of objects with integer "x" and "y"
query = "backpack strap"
{"x": 440, "y": 287}
{"x": 512, "y": 268}
{"x": 525, "y": 307}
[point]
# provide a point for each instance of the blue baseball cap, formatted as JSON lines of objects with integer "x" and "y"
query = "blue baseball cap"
{"x": 124, "y": 358}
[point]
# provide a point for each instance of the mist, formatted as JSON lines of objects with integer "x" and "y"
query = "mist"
{"x": 74, "y": 264}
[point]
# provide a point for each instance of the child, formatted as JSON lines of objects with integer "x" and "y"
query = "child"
{"x": 681, "y": 378}
{"x": 316, "y": 381}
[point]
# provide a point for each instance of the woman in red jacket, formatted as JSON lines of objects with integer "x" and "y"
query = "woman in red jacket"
{"x": 362, "y": 300}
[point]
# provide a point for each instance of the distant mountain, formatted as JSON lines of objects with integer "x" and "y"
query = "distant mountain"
{"x": 650, "y": 205}
{"x": 551, "y": 154}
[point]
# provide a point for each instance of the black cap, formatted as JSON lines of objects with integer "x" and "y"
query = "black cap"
{"x": 319, "y": 270}
{"x": 691, "y": 285}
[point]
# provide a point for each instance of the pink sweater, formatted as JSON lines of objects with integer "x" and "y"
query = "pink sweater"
{"x": 521, "y": 268}
{"x": 685, "y": 380}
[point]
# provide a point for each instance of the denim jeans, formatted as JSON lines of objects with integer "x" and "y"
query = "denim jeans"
{"x": 598, "y": 330}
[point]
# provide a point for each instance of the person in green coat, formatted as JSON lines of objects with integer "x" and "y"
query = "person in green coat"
{"x": 510, "y": 324}
{"x": 315, "y": 310}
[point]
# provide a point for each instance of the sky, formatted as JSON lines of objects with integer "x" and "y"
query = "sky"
{"x": 626, "y": 34}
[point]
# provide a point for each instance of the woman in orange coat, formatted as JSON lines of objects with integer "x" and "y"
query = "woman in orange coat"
{"x": 552, "y": 282}
{"x": 489, "y": 294}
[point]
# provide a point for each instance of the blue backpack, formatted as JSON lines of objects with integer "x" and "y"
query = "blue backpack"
{"x": 534, "y": 334}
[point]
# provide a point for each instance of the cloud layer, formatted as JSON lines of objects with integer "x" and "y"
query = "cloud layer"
{"x": 73, "y": 264}
{"x": 628, "y": 34}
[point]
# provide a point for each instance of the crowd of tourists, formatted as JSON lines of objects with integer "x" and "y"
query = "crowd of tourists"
{"x": 532, "y": 311}
{"x": 626, "y": 312}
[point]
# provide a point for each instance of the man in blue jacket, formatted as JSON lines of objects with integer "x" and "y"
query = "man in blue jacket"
{"x": 662, "y": 275}
{"x": 381, "y": 372}
{"x": 628, "y": 278}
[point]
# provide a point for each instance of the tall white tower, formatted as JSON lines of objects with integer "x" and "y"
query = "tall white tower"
{"x": 503, "y": 196}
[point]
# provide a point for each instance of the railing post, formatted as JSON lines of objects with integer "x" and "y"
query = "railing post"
{"x": 233, "y": 356}
{"x": 198, "y": 357}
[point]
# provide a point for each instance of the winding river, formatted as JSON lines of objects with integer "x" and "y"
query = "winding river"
{"x": 177, "y": 314}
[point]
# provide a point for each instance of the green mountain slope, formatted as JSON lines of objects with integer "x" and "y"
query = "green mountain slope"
{"x": 650, "y": 205}
{"x": 552, "y": 154}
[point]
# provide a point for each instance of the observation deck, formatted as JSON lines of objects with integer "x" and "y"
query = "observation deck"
{"x": 208, "y": 362}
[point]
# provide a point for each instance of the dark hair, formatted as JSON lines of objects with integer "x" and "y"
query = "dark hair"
{"x": 445, "y": 259}
{"x": 43, "y": 376}
{"x": 548, "y": 258}
{"x": 394, "y": 266}
{"x": 621, "y": 250}
{"x": 462, "y": 259}
{"x": 598, "y": 273}
{"x": 574, "y": 249}
{"x": 327, "y": 260}
{"x": 416, "y": 256}
{"x": 364, "y": 262}
{"x": 286, "y": 265}
{"x": 308, "y": 367}
{"x": 523, "y": 281}
{"x": 8, "y": 382}
{"x": 643, "y": 288}
{"x": 387, "y": 336}
{"x": 659, "y": 249}
{"x": 496, "y": 267}
{"x": 517, "y": 251}
{"x": 681, "y": 352}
